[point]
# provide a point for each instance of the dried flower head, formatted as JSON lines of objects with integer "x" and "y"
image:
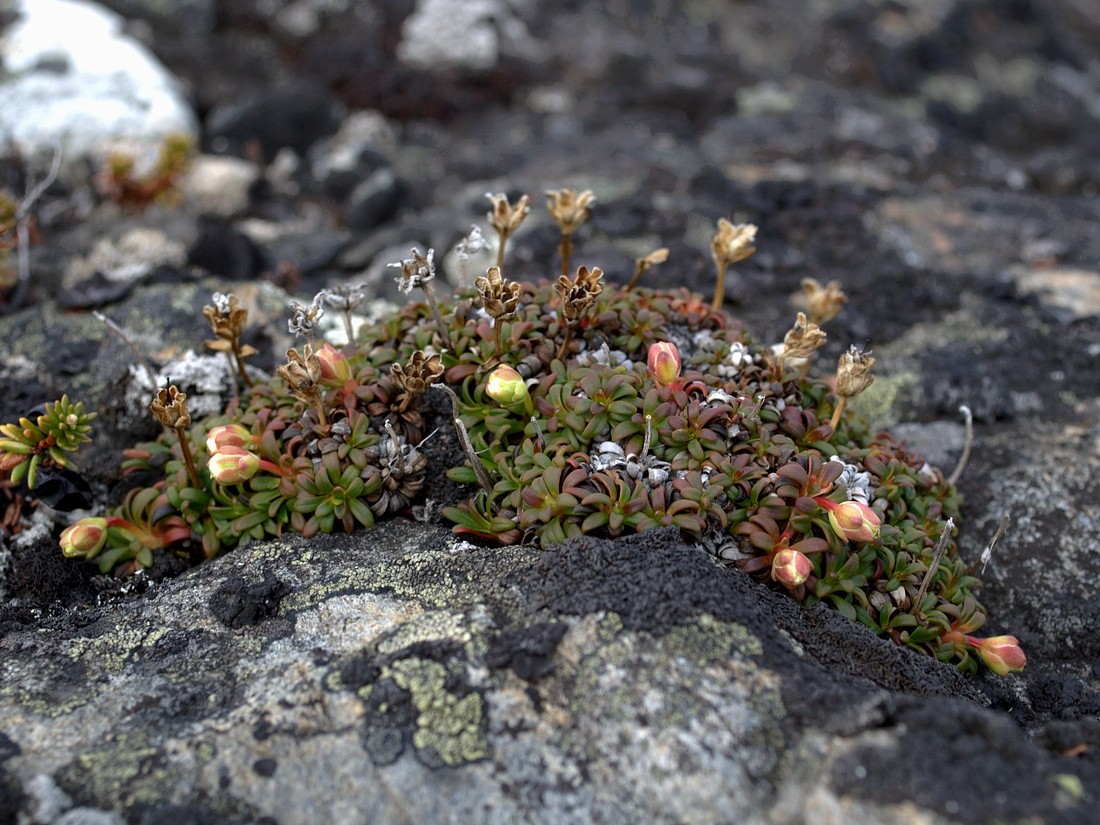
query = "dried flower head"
{"x": 420, "y": 373}
{"x": 823, "y": 302}
{"x": 416, "y": 271}
{"x": 803, "y": 339}
{"x": 472, "y": 243}
{"x": 657, "y": 256}
{"x": 853, "y": 372}
{"x": 569, "y": 208}
{"x": 227, "y": 319}
{"x": 732, "y": 243}
{"x": 579, "y": 293}
{"x": 643, "y": 265}
{"x": 499, "y": 296}
{"x": 345, "y": 297}
{"x": 504, "y": 217}
{"x": 169, "y": 406}
{"x": 303, "y": 319}
{"x": 302, "y": 372}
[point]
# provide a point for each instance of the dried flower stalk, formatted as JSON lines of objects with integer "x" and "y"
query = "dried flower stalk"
{"x": 500, "y": 299}
{"x": 643, "y": 265}
{"x": 346, "y": 298}
{"x": 227, "y": 319}
{"x": 416, "y": 376}
{"x": 853, "y": 376}
{"x": 569, "y": 209}
{"x": 577, "y": 297}
{"x": 505, "y": 219}
{"x": 800, "y": 343}
{"x": 731, "y": 244}
{"x": 419, "y": 272}
{"x": 824, "y": 303}
{"x": 302, "y": 374}
{"x": 169, "y": 407}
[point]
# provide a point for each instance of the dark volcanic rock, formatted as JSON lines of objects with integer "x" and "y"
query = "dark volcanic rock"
{"x": 293, "y": 115}
{"x": 938, "y": 158}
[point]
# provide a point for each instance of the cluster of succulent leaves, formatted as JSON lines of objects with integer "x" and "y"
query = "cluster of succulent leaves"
{"x": 737, "y": 453}
{"x": 736, "y": 458}
{"x": 46, "y": 440}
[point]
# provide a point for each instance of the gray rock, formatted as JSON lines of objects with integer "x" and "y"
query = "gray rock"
{"x": 190, "y": 17}
{"x": 73, "y": 79}
{"x": 131, "y": 257}
{"x": 610, "y": 681}
{"x": 45, "y": 802}
{"x": 218, "y": 186}
{"x": 375, "y": 200}
{"x": 293, "y": 115}
{"x": 89, "y": 816}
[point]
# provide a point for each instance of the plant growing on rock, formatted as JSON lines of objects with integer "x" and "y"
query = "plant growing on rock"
{"x": 583, "y": 408}
{"x": 134, "y": 191}
{"x": 54, "y": 434}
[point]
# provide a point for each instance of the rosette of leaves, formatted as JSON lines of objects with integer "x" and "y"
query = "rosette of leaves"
{"x": 56, "y": 432}
{"x": 143, "y": 523}
{"x": 331, "y": 493}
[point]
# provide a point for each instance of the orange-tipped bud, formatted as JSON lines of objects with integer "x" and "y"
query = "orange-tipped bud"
{"x": 664, "y": 362}
{"x": 791, "y": 568}
{"x": 228, "y": 435}
{"x": 232, "y": 465}
{"x": 85, "y": 538}
{"x": 1002, "y": 654}
{"x": 853, "y": 520}
{"x": 335, "y": 369}
{"x": 506, "y": 386}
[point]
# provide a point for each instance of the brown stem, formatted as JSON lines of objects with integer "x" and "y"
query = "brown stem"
{"x": 836, "y": 413}
{"x": 322, "y": 418}
{"x": 232, "y": 372}
{"x": 804, "y": 370}
{"x": 241, "y": 369}
{"x": 937, "y": 554}
{"x": 188, "y": 459}
{"x": 719, "y": 286}
{"x": 503, "y": 239}
{"x": 566, "y": 342}
{"x": 497, "y": 338}
{"x": 565, "y": 247}
{"x": 349, "y": 330}
{"x": 968, "y": 442}
{"x": 430, "y": 295}
{"x": 639, "y": 270}
{"x": 464, "y": 438}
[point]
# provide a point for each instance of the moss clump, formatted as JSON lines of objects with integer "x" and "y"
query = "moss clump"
{"x": 588, "y": 409}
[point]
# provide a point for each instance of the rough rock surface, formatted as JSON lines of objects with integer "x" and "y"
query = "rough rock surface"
{"x": 939, "y": 158}
{"x": 519, "y": 686}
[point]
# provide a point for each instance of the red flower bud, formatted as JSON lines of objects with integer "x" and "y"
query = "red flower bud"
{"x": 228, "y": 435}
{"x": 84, "y": 538}
{"x": 335, "y": 369}
{"x": 232, "y": 465}
{"x": 1001, "y": 654}
{"x": 506, "y": 386}
{"x": 664, "y": 362}
{"x": 852, "y": 520}
{"x": 791, "y": 568}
